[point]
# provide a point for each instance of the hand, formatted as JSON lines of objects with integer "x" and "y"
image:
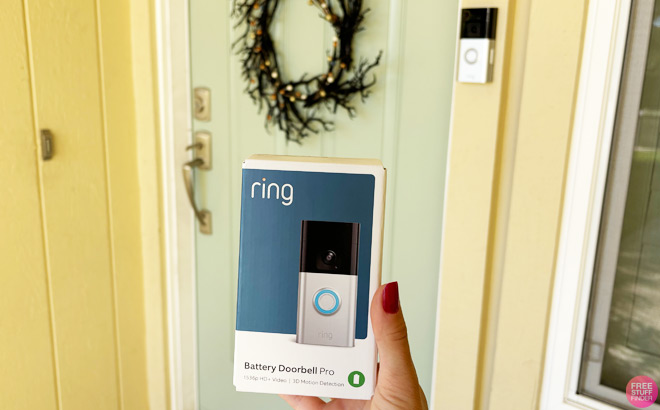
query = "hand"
{"x": 397, "y": 386}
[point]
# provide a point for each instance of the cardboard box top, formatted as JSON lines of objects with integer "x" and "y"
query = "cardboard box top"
{"x": 322, "y": 160}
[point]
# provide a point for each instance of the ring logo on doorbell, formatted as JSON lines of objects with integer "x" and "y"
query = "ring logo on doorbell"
{"x": 327, "y": 283}
{"x": 477, "y": 45}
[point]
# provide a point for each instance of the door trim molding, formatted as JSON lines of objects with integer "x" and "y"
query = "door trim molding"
{"x": 600, "y": 73}
{"x": 175, "y": 122}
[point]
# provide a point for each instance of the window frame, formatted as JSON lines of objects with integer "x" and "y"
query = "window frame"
{"x": 592, "y": 134}
{"x": 616, "y": 197}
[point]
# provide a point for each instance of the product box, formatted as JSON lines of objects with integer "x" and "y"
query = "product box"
{"x": 309, "y": 264}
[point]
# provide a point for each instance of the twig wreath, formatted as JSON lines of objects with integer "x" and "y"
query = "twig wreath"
{"x": 294, "y": 105}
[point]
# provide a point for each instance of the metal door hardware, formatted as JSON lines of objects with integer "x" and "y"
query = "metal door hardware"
{"x": 46, "y": 144}
{"x": 201, "y": 148}
{"x": 202, "y": 103}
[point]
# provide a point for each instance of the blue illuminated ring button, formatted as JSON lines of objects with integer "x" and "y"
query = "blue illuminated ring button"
{"x": 326, "y": 301}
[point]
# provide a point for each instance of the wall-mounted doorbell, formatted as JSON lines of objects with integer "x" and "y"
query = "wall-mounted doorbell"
{"x": 476, "y": 51}
{"x": 327, "y": 285}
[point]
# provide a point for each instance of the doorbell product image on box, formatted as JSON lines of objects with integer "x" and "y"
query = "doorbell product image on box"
{"x": 476, "y": 51}
{"x": 327, "y": 286}
{"x": 309, "y": 265}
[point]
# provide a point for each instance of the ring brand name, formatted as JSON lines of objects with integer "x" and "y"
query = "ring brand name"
{"x": 274, "y": 190}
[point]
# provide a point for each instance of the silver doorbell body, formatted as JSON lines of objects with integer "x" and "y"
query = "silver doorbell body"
{"x": 477, "y": 45}
{"x": 327, "y": 285}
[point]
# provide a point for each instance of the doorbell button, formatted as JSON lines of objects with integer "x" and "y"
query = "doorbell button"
{"x": 326, "y": 301}
{"x": 471, "y": 56}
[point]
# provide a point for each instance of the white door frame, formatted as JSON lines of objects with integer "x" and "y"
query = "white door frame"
{"x": 593, "y": 129}
{"x": 175, "y": 122}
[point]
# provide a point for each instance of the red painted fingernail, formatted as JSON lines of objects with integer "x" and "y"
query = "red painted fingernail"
{"x": 391, "y": 297}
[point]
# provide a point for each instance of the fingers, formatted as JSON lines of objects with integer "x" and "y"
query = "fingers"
{"x": 397, "y": 386}
{"x": 391, "y": 333}
{"x": 303, "y": 402}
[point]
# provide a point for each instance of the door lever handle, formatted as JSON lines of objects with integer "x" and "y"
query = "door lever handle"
{"x": 202, "y": 150}
{"x": 202, "y": 215}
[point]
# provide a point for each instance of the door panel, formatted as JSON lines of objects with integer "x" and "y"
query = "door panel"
{"x": 27, "y": 373}
{"x": 404, "y": 122}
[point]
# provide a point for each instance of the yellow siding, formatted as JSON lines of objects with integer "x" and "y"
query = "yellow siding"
{"x": 145, "y": 81}
{"x": 71, "y": 289}
{"x": 503, "y": 209}
{"x": 27, "y": 372}
{"x": 124, "y": 197}
{"x": 64, "y": 49}
{"x": 547, "y": 106}
{"x": 466, "y": 232}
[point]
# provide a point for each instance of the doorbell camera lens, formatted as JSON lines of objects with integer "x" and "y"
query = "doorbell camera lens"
{"x": 329, "y": 247}
{"x": 479, "y": 23}
{"x": 329, "y": 258}
{"x": 474, "y": 29}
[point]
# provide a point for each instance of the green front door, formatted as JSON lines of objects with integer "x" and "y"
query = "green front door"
{"x": 404, "y": 122}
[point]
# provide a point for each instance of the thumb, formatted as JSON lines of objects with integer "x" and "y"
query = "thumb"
{"x": 391, "y": 336}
